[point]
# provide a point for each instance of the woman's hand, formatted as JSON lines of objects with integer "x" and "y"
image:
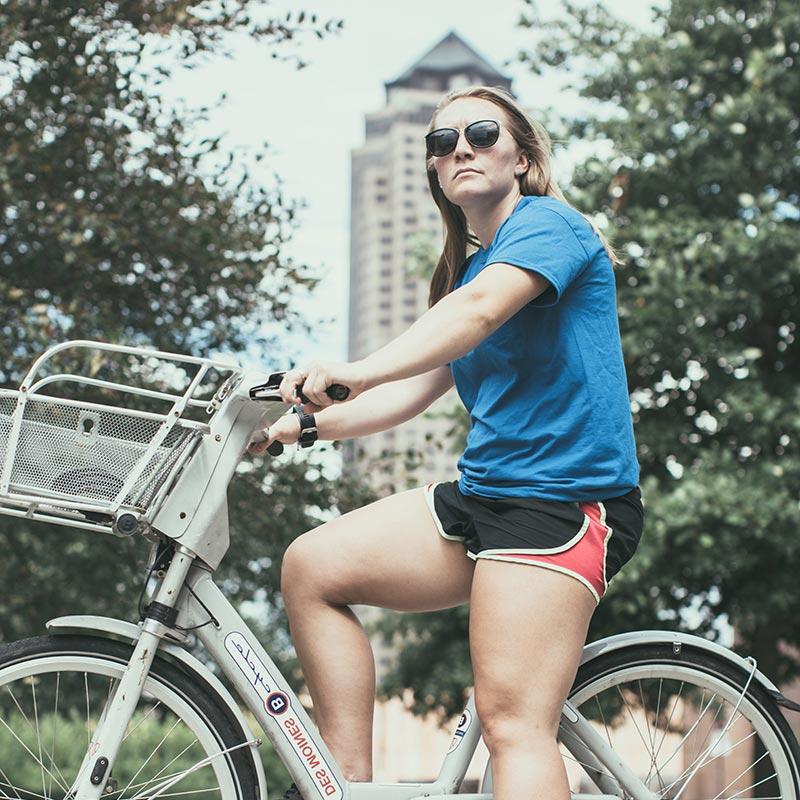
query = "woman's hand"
{"x": 285, "y": 429}
{"x": 317, "y": 377}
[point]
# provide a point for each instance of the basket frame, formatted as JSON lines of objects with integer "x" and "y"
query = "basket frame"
{"x": 61, "y": 508}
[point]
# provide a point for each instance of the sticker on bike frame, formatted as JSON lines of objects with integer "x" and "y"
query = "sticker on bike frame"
{"x": 312, "y": 759}
{"x": 461, "y": 729}
{"x": 250, "y": 664}
{"x": 277, "y": 703}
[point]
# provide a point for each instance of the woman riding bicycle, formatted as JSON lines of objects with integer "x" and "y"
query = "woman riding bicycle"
{"x": 547, "y": 508}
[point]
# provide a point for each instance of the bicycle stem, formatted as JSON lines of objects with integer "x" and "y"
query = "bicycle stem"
{"x": 91, "y": 780}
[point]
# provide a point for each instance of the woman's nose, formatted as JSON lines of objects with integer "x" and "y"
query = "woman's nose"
{"x": 463, "y": 147}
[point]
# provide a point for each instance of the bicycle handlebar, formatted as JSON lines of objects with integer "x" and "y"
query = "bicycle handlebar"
{"x": 268, "y": 391}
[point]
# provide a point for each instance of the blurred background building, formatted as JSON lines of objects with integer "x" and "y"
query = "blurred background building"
{"x": 395, "y": 233}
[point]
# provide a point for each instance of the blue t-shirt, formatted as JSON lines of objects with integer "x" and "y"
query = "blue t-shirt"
{"x": 546, "y": 392}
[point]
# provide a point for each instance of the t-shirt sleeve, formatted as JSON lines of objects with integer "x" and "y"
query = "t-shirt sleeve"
{"x": 543, "y": 241}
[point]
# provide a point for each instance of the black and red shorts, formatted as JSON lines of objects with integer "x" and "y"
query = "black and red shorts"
{"x": 589, "y": 540}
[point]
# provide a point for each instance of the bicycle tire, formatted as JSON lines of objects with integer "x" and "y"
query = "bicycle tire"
{"x": 49, "y": 680}
{"x": 691, "y": 682}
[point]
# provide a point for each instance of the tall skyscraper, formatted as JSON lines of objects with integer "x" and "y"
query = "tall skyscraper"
{"x": 393, "y": 219}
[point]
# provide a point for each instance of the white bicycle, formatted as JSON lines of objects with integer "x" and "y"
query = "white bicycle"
{"x": 108, "y": 708}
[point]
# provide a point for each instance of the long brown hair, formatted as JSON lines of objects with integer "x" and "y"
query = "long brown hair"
{"x": 535, "y": 142}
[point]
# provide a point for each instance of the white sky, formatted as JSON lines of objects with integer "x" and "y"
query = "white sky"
{"x": 313, "y": 118}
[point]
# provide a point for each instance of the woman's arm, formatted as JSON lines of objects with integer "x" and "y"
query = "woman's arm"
{"x": 383, "y": 406}
{"x": 447, "y": 331}
{"x": 375, "y": 410}
{"x": 456, "y": 324}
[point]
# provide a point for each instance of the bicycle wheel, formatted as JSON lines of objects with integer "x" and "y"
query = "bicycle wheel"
{"x": 52, "y": 692}
{"x": 681, "y": 723}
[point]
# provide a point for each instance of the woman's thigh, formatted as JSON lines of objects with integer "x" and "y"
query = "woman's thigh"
{"x": 386, "y": 554}
{"x": 528, "y": 625}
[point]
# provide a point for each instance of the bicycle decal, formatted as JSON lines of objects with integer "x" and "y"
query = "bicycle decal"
{"x": 277, "y": 703}
{"x": 249, "y": 664}
{"x": 314, "y": 762}
{"x": 461, "y": 729}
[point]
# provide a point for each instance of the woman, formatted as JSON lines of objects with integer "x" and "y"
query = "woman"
{"x": 547, "y": 508}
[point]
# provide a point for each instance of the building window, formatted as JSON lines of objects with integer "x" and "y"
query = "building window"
{"x": 385, "y": 305}
{"x": 384, "y": 322}
{"x": 380, "y": 198}
{"x": 386, "y": 273}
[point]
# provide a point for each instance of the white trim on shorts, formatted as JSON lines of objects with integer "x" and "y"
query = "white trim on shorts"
{"x": 429, "y": 500}
{"x": 554, "y": 567}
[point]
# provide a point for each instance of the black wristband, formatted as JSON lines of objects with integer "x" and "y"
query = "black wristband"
{"x": 308, "y": 427}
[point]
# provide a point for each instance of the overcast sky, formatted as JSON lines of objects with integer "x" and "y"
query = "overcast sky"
{"x": 313, "y": 118}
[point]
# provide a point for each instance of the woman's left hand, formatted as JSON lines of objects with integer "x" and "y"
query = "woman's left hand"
{"x": 315, "y": 378}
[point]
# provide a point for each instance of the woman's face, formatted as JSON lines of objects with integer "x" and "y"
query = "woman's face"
{"x": 474, "y": 177}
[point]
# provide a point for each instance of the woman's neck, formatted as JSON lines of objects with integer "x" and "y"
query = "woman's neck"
{"x": 484, "y": 221}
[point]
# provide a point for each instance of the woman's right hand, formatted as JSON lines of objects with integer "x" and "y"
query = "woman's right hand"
{"x": 285, "y": 429}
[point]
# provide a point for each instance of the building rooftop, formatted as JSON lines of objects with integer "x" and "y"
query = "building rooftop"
{"x": 450, "y": 58}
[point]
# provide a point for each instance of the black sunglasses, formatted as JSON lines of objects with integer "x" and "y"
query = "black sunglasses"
{"x": 483, "y": 133}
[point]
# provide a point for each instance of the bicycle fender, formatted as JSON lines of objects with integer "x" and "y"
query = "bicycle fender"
{"x": 678, "y": 641}
{"x": 117, "y": 628}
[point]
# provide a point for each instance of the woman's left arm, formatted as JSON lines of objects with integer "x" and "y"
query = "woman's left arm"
{"x": 445, "y": 332}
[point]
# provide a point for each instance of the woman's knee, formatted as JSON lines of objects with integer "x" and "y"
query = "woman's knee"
{"x": 300, "y": 570}
{"x": 509, "y": 722}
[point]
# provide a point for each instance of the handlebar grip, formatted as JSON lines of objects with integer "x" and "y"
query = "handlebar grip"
{"x": 336, "y": 391}
{"x": 275, "y": 449}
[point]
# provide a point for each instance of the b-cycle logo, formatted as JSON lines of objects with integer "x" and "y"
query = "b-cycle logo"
{"x": 461, "y": 729}
{"x": 277, "y": 703}
{"x": 250, "y": 664}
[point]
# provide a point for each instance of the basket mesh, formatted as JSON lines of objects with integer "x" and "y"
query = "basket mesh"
{"x": 86, "y": 454}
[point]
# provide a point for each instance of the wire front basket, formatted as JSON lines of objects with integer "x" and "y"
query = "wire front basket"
{"x": 81, "y": 463}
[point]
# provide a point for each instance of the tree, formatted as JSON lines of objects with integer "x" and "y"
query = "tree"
{"x": 697, "y": 178}
{"x": 117, "y": 224}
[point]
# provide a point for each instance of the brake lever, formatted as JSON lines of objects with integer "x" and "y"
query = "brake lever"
{"x": 265, "y": 391}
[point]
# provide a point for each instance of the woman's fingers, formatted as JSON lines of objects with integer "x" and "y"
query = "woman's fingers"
{"x": 259, "y": 442}
{"x": 290, "y": 385}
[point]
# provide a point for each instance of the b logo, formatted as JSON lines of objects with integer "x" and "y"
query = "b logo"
{"x": 277, "y": 703}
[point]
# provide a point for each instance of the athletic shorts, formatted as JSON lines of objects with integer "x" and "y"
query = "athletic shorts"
{"x": 590, "y": 540}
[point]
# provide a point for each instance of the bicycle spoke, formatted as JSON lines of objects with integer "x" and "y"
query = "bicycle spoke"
{"x": 689, "y": 732}
{"x": 7, "y": 782}
{"x": 55, "y": 726}
{"x": 31, "y": 753}
{"x": 714, "y": 758}
{"x": 630, "y": 714}
{"x": 160, "y": 776}
{"x": 88, "y": 716}
{"x": 153, "y": 752}
{"x": 32, "y": 727}
{"x": 143, "y": 719}
{"x": 745, "y": 770}
{"x": 38, "y": 734}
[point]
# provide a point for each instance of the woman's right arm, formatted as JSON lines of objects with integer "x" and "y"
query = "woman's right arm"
{"x": 383, "y": 406}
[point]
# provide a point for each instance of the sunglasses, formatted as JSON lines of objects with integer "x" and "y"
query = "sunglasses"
{"x": 483, "y": 133}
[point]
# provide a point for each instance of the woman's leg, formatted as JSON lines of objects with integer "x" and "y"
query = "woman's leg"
{"x": 527, "y": 628}
{"x": 387, "y": 554}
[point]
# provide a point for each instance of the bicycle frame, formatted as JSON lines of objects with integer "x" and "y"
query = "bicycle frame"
{"x": 266, "y": 693}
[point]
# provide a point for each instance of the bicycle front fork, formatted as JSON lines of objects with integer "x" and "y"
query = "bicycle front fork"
{"x": 95, "y": 773}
